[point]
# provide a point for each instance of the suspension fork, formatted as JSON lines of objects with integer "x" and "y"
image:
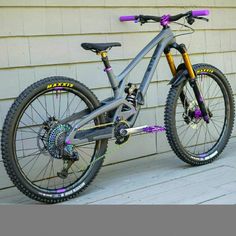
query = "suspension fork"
{"x": 173, "y": 70}
{"x": 182, "y": 49}
{"x": 193, "y": 82}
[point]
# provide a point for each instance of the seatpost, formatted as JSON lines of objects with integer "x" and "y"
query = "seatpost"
{"x": 109, "y": 71}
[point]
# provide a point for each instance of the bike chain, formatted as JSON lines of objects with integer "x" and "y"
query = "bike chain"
{"x": 118, "y": 146}
{"x": 111, "y": 151}
{"x": 102, "y": 125}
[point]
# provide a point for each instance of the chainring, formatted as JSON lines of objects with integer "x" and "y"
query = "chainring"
{"x": 120, "y": 139}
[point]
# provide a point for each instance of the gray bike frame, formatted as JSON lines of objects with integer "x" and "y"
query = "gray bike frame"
{"x": 161, "y": 41}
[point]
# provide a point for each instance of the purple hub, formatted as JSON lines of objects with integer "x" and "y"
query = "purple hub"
{"x": 165, "y": 20}
{"x": 197, "y": 113}
{"x": 154, "y": 129}
{"x": 68, "y": 142}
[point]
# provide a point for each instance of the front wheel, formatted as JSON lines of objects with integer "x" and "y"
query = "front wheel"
{"x": 191, "y": 138}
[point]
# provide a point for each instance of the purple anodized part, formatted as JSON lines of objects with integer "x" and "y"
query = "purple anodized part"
{"x": 204, "y": 12}
{"x": 108, "y": 69}
{"x": 206, "y": 118}
{"x": 68, "y": 142}
{"x": 200, "y": 98}
{"x": 165, "y": 20}
{"x": 127, "y": 18}
{"x": 61, "y": 190}
{"x": 154, "y": 129}
{"x": 203, "y": 155}
{"x": 197, "y": 113}
{"x": 58, "y": 88}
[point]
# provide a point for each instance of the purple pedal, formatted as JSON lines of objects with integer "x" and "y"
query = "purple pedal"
{"x": 154, "y": 129}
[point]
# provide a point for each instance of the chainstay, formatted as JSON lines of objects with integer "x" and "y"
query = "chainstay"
{"x": 148, "y": 129}
{"x": 97, "y": 126}
{"x": 117, "y": 147}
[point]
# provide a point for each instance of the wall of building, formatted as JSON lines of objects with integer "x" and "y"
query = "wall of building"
{"x": 40, "y": 38}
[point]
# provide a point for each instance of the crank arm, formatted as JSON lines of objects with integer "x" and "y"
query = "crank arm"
{"x": 142, "y": 129}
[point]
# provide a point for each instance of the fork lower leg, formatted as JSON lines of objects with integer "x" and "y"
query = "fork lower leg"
{"x": 193, "y": 84}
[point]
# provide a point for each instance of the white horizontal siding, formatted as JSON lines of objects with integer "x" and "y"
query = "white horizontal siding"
{"x": 40, "y": 38}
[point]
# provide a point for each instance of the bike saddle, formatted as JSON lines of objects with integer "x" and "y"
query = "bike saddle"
{"x": 98, "y": 47}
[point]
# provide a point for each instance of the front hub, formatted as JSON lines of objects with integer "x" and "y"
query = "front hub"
{"x": 193, "y": 115}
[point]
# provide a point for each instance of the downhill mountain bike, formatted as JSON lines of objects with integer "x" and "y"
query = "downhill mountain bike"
{"x": 56, "y": 132}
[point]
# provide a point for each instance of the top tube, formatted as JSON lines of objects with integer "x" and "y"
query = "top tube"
{"x": 164, "y": 34}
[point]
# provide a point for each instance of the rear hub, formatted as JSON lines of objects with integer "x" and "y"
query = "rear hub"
{"x": 51, "y": 137}
{"x": 56, "y": 140}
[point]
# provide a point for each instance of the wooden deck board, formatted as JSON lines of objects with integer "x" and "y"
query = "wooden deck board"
{"x": 156, "y": 179}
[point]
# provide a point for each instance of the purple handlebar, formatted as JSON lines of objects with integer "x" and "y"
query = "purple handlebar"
{"x": 200, "y": 13}
{"x": 127, "y": 18}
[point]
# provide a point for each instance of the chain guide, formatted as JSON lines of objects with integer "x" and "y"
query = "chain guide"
{"x": 120, "y": 139}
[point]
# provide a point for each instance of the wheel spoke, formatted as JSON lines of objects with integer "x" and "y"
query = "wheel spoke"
{"x": 204, "y": 138}
{"x": 38, "y": 164}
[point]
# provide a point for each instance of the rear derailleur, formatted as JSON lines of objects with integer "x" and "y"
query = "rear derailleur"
{"x": 69, "y": 157}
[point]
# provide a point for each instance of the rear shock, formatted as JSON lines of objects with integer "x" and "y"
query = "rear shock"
{"x": 131, "y": 91}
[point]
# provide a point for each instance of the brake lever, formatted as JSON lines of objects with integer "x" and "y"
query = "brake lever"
{"x": 201, "y": 18}
{"x": 190, "y": 19}
{"x": 141, "y": 20}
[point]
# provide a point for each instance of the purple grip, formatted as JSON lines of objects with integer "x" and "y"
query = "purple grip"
{"x": 127, "y": 18}
{"x": 200, "y": 13}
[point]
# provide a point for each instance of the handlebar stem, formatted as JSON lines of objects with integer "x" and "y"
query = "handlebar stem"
{"x": 165, "y": 20}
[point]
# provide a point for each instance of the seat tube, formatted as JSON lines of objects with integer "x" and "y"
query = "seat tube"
{"x": 109, "y": 71}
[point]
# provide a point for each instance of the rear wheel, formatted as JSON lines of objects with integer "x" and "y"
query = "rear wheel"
{"x": 34, "y": 140}
{"x": 191, "y": 138}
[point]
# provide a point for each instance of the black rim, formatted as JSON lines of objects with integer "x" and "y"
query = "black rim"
{"x": 199, "y": 139}
{"x": 35, "y": 163}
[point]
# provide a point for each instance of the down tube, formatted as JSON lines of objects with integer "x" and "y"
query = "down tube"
{"x": 152, "y": 65}
{"x": 164, "y": 34}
